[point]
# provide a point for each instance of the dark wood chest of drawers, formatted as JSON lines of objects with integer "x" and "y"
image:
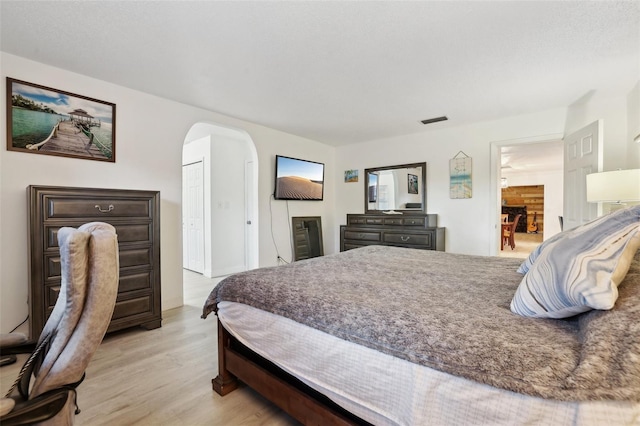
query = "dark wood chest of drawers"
{"x": 413, "y": 231}
{"x": 136, "y": 217}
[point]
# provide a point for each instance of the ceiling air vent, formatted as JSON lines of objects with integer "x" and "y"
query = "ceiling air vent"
{"x": 434, "y": 120}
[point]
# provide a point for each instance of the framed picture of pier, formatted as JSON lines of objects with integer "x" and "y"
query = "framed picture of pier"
{"x": 42, "y": 120}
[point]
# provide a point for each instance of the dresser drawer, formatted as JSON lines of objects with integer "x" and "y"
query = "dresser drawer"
{"x": 395, "y": 221}
{"x": 95, "y": 208}
{"x": 127, "y": 233}
{"x": 414, "y": 221}
{"x": 348, "y": 246}
{"x": 407, "y": 238}
{"x": 128, "y": 283}
{"x": 135, "y": 282}
{"x": 362, "y": 235}
{"x": 132, "y": 307}
{"x": 135, "y": 257}
{"x": 356, "y": 220}
{"x": 130, "y": 257}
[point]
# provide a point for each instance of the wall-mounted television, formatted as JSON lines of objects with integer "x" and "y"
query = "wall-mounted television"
{"x": 298, "y": 179}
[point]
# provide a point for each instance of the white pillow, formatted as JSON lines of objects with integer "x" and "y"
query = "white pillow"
{"x": 581, "y": 269}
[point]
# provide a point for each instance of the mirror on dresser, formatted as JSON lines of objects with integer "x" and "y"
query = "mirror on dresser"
{"x": 400, "y": 188}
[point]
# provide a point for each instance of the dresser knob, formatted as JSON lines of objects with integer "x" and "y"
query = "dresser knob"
{"x": 405, "y": 238}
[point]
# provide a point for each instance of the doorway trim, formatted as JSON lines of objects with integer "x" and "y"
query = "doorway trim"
{"x": 495, "y": 193}
{"x": 227, "y": 134}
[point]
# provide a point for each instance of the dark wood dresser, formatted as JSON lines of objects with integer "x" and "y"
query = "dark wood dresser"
{"x": 418, "y": 231}
{"x": 136, "y": 217}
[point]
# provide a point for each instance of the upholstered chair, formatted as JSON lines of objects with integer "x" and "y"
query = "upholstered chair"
{"x": 45, "y": 390}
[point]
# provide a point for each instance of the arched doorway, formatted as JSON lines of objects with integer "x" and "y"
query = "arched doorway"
{"x": 219, "y": 200}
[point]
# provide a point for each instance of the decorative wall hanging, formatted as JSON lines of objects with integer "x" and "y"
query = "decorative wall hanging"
{"x": 460, "y": 176}
{"x": 350, "y": 175}
{"x": 42, "y": 120}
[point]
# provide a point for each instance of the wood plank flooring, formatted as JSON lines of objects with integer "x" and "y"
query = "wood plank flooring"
{"x": 525, "y": 244}
{"x": 163, "y": 376}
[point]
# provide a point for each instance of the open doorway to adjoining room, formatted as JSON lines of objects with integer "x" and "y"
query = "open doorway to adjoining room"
{"x": 219, "y": 201}
{"x": 529, "y": 176}
{"x": 526, "y": 203}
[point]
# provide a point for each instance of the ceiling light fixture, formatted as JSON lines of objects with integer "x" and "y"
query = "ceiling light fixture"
{"x": 434, "y": 120}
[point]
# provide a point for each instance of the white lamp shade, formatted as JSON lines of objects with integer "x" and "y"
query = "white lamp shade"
{"x": 614, "y": 186}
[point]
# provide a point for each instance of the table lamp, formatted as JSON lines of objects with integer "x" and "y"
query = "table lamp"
{"x": 614, "y": 186}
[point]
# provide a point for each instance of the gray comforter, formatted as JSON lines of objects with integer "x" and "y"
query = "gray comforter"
{"x": 451, "y": 313}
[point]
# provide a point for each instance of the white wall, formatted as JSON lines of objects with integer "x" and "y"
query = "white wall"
{"x": 633, "y": 128}
{"x": 613, "y": 113}
{"x": 149, "y": 139}
{"x": 469, "y": 226}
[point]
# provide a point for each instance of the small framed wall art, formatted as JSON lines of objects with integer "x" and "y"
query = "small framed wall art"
{"x": 460, "y": 184}
{"x": 350, "y": 176}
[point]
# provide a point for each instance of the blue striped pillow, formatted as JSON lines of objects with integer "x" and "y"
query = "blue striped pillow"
{"x": 580, "y": 269}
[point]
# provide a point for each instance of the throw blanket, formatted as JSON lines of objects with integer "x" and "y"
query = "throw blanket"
{"x": 451, "y": 312}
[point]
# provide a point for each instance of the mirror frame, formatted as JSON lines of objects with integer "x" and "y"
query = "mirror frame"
{"x": 423, "y": 180}
{"x": 298, "y": 222}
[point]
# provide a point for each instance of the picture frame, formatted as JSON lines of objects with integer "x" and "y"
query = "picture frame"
{"x": 48, "y": 121}
{"x": 412, "y": 183}
{"x": 460, "y": 176}
{"x": 350, "y": 176}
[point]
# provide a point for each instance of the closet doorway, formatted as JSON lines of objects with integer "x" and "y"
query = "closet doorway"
{"x": 228, "y": 206}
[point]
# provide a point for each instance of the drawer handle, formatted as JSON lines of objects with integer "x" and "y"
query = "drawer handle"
{"x": 360, "y": 235}
{"x": 104, "y": 211}
{"x": 404, "y": 238}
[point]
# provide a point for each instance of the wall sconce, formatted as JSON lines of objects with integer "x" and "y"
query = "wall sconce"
{"x": 504, "y": 183}
{"x": 613, "y": 187}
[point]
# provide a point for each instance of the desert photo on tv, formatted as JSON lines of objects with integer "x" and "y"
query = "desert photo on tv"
{"x": 298, "y": 179}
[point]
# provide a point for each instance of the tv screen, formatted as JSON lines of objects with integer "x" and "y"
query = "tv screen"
{"x": 298, "y": 179}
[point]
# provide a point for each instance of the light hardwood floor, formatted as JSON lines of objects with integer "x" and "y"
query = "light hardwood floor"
{"x": 163, "y": 376}
{"x": 525, "y": 244}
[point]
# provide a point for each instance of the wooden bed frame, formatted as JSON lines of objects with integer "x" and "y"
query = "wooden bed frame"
{"x": 236, "y": 363}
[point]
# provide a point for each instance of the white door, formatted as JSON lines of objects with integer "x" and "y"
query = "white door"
{"x": 193, "y": 217}
{"x": 582, "y": 155}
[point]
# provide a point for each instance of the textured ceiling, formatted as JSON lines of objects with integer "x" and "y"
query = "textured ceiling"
{"x": 340, "y": 72}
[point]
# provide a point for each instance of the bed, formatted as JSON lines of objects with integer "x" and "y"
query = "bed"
{"x": 394, "y": 336}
